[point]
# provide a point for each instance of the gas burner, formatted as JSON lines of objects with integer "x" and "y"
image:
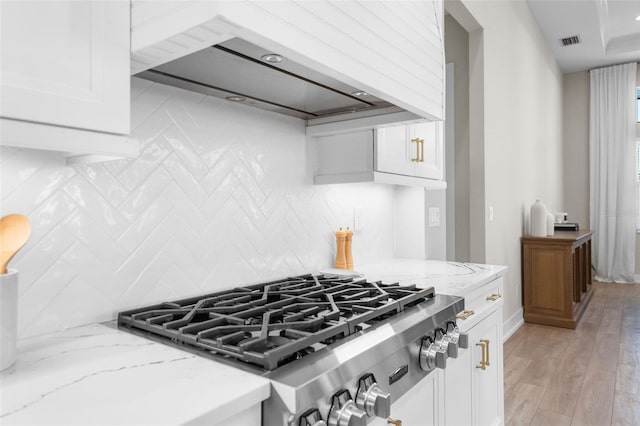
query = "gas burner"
{"x": 273, "y": 323}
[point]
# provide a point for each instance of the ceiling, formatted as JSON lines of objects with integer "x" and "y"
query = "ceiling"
{"x": 608, "y": 31}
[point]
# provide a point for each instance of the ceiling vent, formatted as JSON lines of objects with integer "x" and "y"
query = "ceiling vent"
{"x": 568, "y": 41}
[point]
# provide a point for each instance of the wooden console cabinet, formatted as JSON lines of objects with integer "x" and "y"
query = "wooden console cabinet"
{"x": 556, "y": 278}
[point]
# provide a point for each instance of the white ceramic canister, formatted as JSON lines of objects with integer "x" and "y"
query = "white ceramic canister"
{"x": 550, "y": 224}
{"x": 8, "y": 318}
{"x": 538, "y": 219}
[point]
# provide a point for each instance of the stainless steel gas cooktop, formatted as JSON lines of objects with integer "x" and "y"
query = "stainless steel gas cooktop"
{"x": 277, "y": 322}
{"x": 338, "y": 350}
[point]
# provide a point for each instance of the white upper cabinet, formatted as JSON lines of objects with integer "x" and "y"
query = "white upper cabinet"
{"x": 66, "y": 64}
{"x": 392, "y": 50}
{"x": 411, "y": 150}
{"x": 407, "y": 154}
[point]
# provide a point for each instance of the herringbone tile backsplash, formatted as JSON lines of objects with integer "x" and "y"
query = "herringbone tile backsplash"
{"x": 221, "y": 194}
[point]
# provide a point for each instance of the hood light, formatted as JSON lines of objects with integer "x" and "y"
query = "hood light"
{"x": 274, "y": 58}
{"x": 360, "y": 93}
{"x": 638, "y": 18}
{"x": 235, "y": 98}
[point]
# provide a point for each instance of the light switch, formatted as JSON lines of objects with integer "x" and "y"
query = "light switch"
{"x": 434, "y": 217}
{"x": 358, "y": 221}
{"x": 490, "y": 213}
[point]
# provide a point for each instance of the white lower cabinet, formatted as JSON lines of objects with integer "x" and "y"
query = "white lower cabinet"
{"x": 474, "y": 389}
{"x": 486, "y": 346}
{"x": 422, "y": 405}
{"x": 474, "y": 381}
{"x": 458, "y": 390}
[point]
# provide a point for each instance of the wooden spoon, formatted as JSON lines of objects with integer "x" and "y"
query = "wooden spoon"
{"x": 14, "y": 233}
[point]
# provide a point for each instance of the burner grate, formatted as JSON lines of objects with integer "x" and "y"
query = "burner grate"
{"x": 276, "y": 322}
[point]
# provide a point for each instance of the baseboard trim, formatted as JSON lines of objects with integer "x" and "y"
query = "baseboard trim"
{"x": 511, "y": 325}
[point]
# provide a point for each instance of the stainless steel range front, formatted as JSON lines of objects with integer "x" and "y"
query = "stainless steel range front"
{"x": 338, "y": 350}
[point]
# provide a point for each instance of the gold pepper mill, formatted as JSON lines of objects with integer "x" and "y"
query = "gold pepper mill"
{"x": 341, "y": 260}
{"x": 347, "y": 249}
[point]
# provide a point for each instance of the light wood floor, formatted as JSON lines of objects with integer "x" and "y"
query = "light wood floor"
{"x": 587, "y": 376}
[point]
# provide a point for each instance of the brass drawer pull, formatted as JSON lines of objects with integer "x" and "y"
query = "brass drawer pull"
{"x": 390, "y": 421}
{"x": 418, "y": 159}
{"x": 486, "y": 342}
{"x": 465, "y": 314}
{"x": 494, "y": 297}
{"x": 484, "y": 363}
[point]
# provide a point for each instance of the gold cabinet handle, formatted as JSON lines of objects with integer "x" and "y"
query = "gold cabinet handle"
{"x": 422, "y": 150}
{"x": 483, "y": 362}
{"x": 391, "y": 421}
{"x": 494, "y": 297}
{"x": 417, "y": 141}
{"x": 465, "y": 314}
{"x": 486, "y": 342}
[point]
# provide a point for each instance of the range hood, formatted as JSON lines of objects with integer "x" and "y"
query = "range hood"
{"x": 239, "y": 71}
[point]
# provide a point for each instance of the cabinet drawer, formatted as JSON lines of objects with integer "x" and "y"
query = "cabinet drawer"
{"x": 481, "y": 303}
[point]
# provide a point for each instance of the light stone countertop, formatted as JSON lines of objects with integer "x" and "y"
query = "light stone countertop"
{"x": 98, "y": 375}
{"x": 455, "y": 278}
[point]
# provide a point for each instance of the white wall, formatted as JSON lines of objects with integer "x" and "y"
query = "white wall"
{"x": 575, "y": 179}
{"x": 456, "y": 41}
{"x": 516, "y": 95}
{"x": 410, "y": 222}
{"x": 436, "y": 234}
{"x": 221, "y": 195}
{"x": 415, "y": 236}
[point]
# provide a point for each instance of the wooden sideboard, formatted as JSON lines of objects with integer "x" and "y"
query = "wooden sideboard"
{"x": 556, "y": 278}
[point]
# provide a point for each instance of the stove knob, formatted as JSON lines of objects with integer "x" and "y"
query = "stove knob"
{"x": 432, "y": 355}
{"x": 462, "y": 339}
{"x": 450, "y": 343}
{"x": 371, "y": 398}
{"x": 344, "y": 411}
{"x": 447, "y": 342}
{"x": 311, "y": 417}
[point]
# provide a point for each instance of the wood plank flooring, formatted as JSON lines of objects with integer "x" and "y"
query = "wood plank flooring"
{"x": 588, "y": 376}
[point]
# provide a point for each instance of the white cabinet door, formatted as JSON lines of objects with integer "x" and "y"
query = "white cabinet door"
{"x": 431, "y": 150}
{"x": 421, "y": 405}
{"x": 488, "y": 404}
{"x": 411, "y": 150}
{"x": 66, "y": 63}
{"x": 392, "y": 152}
{"x": 458, "y": 390}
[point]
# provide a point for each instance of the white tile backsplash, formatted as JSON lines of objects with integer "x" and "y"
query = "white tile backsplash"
{"x": 222, "y": 194}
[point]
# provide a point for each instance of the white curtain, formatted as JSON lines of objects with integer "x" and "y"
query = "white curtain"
{"x": 613, "y": 205}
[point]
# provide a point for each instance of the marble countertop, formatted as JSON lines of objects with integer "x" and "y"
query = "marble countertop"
{"x": 98, "y": 375}
{"x": 455, "y": 278}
